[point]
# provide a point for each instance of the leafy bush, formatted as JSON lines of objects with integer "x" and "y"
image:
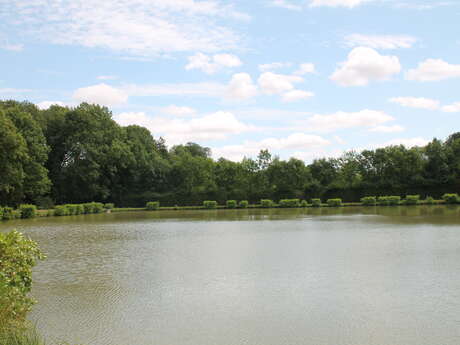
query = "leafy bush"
{"x": 98, "y": 207}
{"x": 80, "y": 209}
{"x": 71, "y": 209}
{"x": 304, "y": 203}
{"x": 88, "y": 208}
{"x": 369, "y": 201}
{"x": 231, "y": 203}
{"x": 266, "y": 203}
{"x": 243, "y": 204}
{"x": 389, "y": 200}
{"x": 316, "y": 202}
{"x": 334, "y": 202}
{"x": 451, "y": 198}
{"x": 109, "y": 206}
{"x": 412, "y": 200}
{"x": 18, "y": 255}
{"x": 1, "y": 212}
{"x": 28, "y": 211}
{"x": 61, "y": 210}
{"x": 7, "y": 213}
{"x": 429, "y": 200}
{"x": 152, "y": 205}
{"x": 289, "y": 203}
{"x": 210, "y": 204}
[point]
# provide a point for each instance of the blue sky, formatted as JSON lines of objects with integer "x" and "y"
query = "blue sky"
{"x": 304, "y": 78}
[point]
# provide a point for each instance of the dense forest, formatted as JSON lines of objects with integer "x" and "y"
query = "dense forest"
{"x": 72, "y": 155}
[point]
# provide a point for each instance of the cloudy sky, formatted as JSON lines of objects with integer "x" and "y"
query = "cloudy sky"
{"x": 303, "y": 78}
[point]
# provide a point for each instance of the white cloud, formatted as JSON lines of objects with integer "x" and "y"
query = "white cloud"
{"x": 296, "y": 95}
{"x": 416, "y": 102}
{"x": 9, "y": 90}
{"x": 295, "y": 141}
{"x": 101, "y": 94}
{"x": 204, "y": 89}
{"x": 433, "y": 70}
{"x": 46, "y": 104}
{"x": 12, "y": 47}
{"x": 178, "y": 111}
{"x": 285, "y": 4}
{"x": 407, "y": 142}
{"x": 344, "y": 120}
{"x": 338, "y": 3}
{"x": 135, "y": 27}
{"x": 274, "y": 65}
{"x": 380, "y": 41}
{"x": 305, "y": 68}
{"x": 216, "y": 126}
{"x": 272, "y": 83}
{"x": 107, "y": 77}
{"x": 212, "y": 64}
{"x": 241, "y": 87}
{"x": 387, "y": 129}
{"x": 452, "y": 108}
{"x": 364, "y": 65}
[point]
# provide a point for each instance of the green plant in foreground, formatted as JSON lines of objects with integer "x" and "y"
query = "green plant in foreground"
{"x": 334, "y": 202}
{"x": 210, "y": 204}
{"x": 231, "y": 203}
{"x": 152, "y": 205}
{"x": 18, "y": 255}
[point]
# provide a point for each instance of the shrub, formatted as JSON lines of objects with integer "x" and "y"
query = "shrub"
{"x": 80, "y": 209}
{"x": 7, "y": 213}
{"x": 98, "y": 207}
{"x": 71, "y": 209}
{"x": 412, "y": 199}
{"x": 231, "y": 203}
{"x": 304, "y": 203}
{"x": 451, "y": 198}
{"x": 88, "y": 208}
{"x": 210, "y": 204}
{"x": 61, "y": 210}
{"x": 28, "y": 211}
{"x": 334, "y": 202}
{"x": 109, "y": 206}
{"x": 266, "y": 203}
{"x": 389, "y": 200}
{"x": 429, "y": 200}
{"x": 18, "y": 255}
{"x": 289, "y": 203}
{"x": 369, "y": 201}
{"x": 152, "y": 205}
{"x": 1, "y": 212}
{"x": 316, "y": 202}
{"x": 243, "y": 204}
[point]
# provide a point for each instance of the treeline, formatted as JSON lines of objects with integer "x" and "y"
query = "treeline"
{"x": 75, "y": 155}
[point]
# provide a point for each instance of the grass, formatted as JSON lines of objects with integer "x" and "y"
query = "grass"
{"x": 27, "y": 337}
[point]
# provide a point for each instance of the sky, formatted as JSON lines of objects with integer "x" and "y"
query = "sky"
{"x": 301, "y": 78}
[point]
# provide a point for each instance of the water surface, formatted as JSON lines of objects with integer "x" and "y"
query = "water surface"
{"x": 349, "y": 276}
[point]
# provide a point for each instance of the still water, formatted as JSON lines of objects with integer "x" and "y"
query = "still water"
{"x": 350, "y": 276}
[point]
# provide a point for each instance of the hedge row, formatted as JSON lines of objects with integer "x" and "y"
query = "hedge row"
{"x": 76, "y": 209}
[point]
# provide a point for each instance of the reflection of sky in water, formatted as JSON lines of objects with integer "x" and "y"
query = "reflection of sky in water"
{"x": 386, "y": 275}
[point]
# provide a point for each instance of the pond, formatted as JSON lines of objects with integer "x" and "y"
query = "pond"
{"x": 361, "y": 276}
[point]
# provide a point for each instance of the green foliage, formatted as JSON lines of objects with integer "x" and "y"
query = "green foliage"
{"x": 208, "y": 204}
{"x": 289, "y": 203}
{"x": 7, "y": 213}
{"x": 98, "y": 207}
{"x": 412, "y": 200}
{"x": 389, "y": 200}
{"x": 231, "y": 203}
{"x": 109, "y": 206}
{"x": 243, "y": 204}
{"x": 72, "y": 209}
{"x": 334, "y": 202}
{"x": 61, "y": 210}
{"x": 429, "y": 200}
{"x": 316, "y": 202}
{"x": 152, "y": 205}
{"x": 27, "y": 211}
{"x": 369, "y": 201}
{"x": 451, "y": 198}
{"x": 88, "y": 208}
{"x": 21, "y": 336}
{"x": 18, "y": 255}
{"x": 304, "y": 203}
{"x": 266, "y": 203}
